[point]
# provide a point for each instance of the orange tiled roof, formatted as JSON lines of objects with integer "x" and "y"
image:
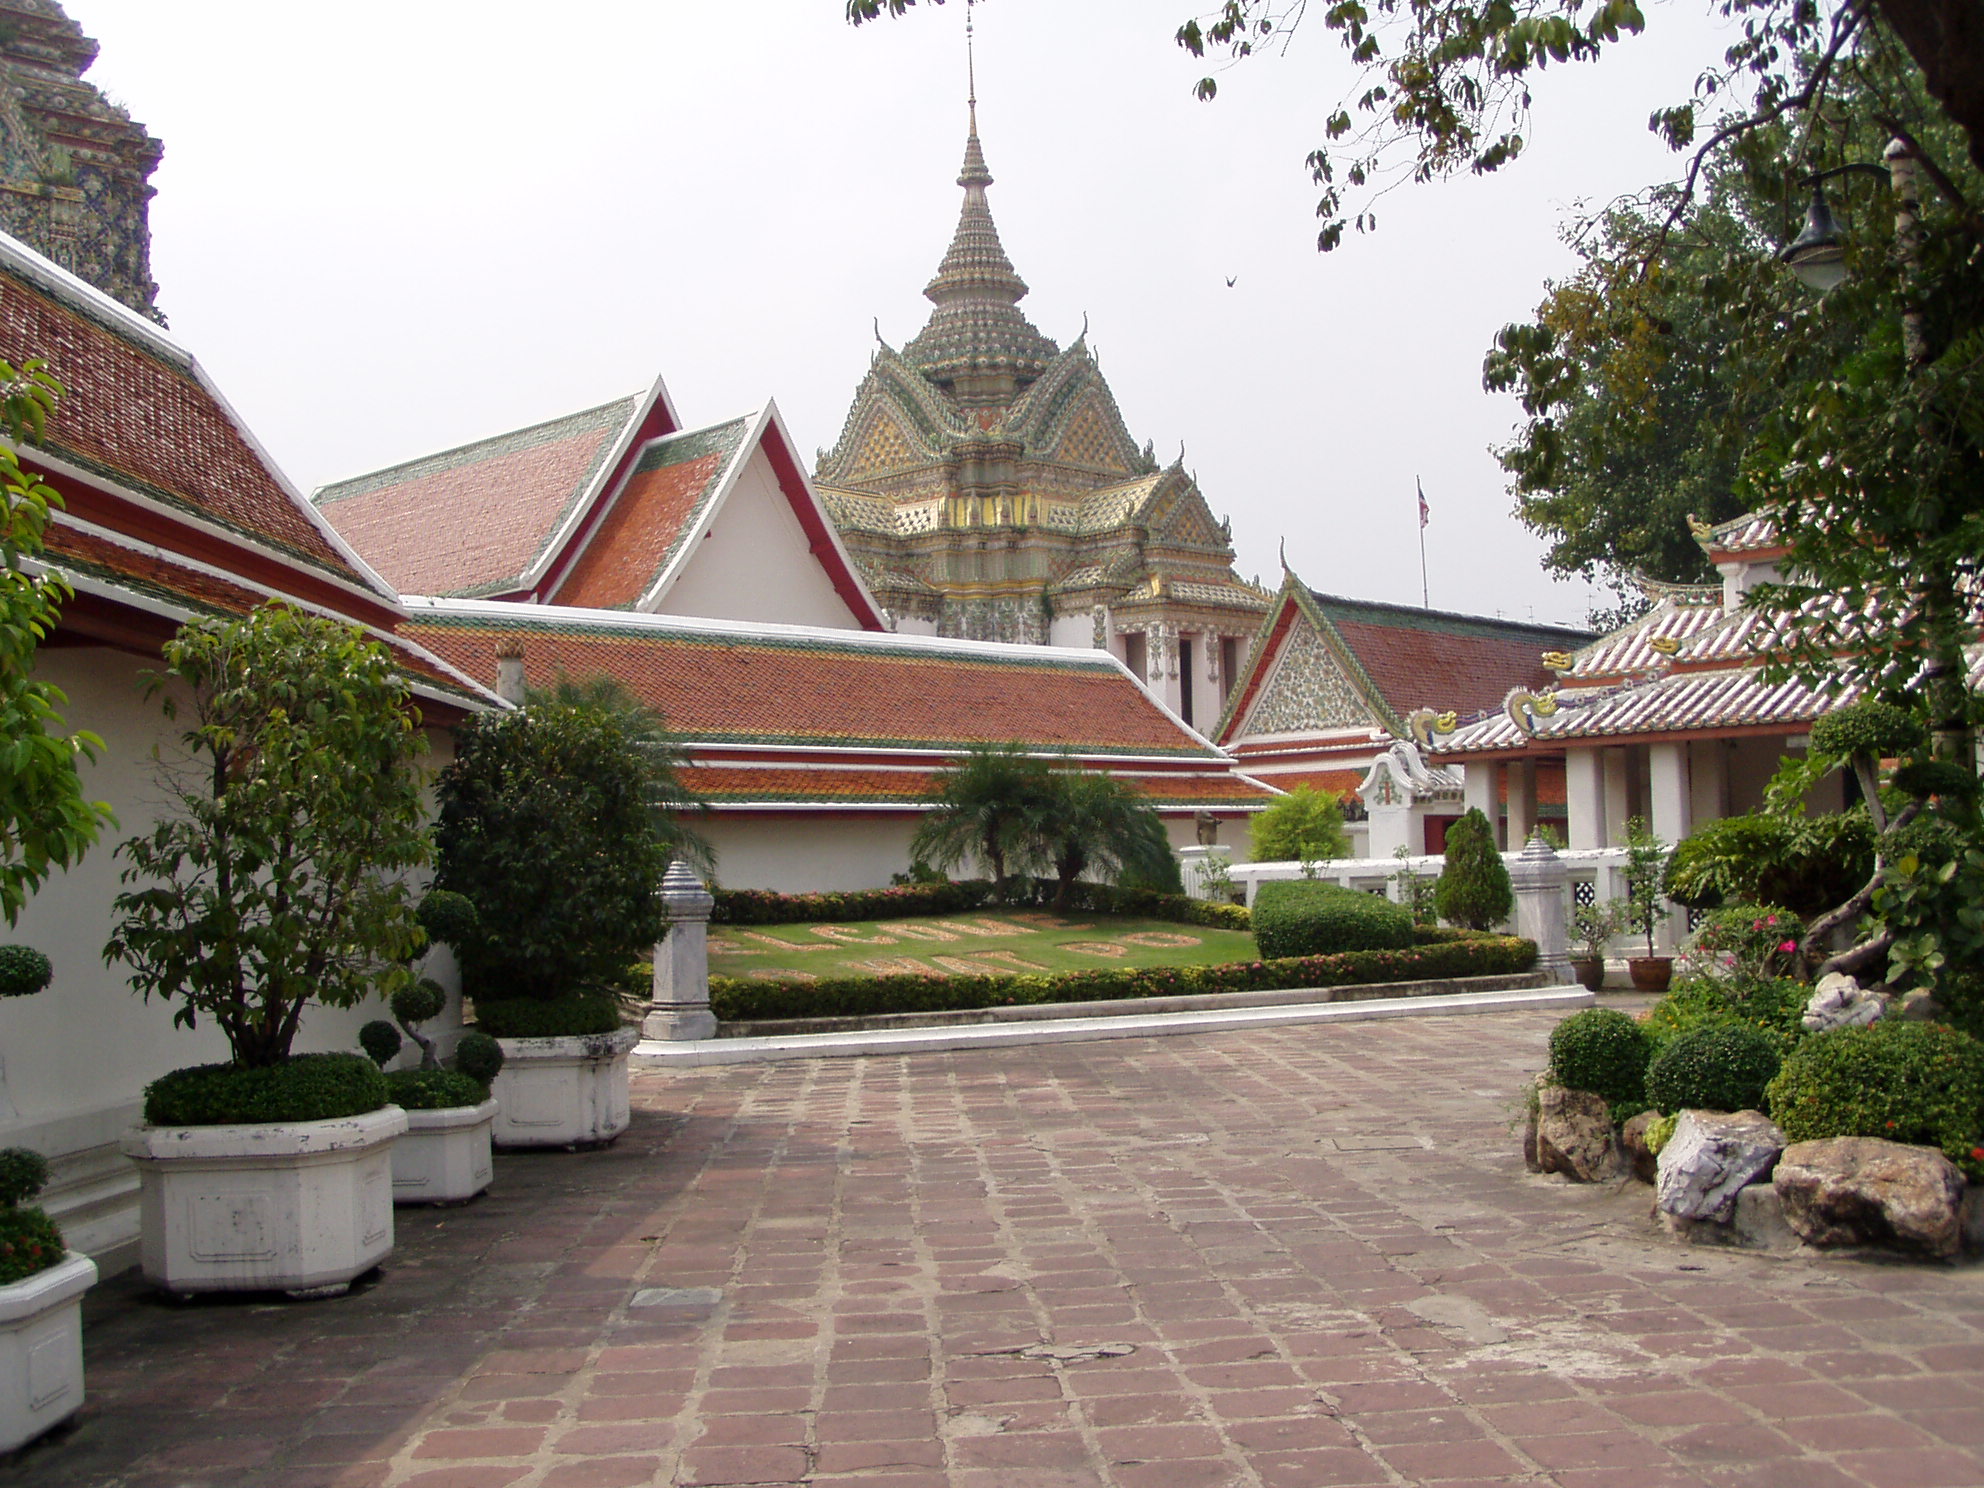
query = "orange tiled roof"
{"x": 475, "y": 520}
{"x": 1330, "y": 782}
{"x": 138, "y": 414}
{"x": 779, "y": 684}
{"x": 671, "y": 483}
{"x": 722, "y": 785}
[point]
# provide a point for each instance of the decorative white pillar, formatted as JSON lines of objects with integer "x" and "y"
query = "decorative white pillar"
{"x": 1481, "y": 789}
{"x": 1584, "y": 799}
{"x": 680, "y": 1006}
{"x": 1618, "y": 796}
{"x": 1522, "y": 802}
{"x": 1708, "y": 781}
{"x": 1670, "y": 800}
{"x": 1540, "y": 881}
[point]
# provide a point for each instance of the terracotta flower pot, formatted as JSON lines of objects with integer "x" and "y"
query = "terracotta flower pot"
{"x": 1651, "y": 973}
{"x": 1590, "y": 971}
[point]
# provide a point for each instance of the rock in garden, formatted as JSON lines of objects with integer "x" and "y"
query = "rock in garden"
{"x": 1863, "y": 1191}
{"x": 1713, "y": 1156}
{"x": 1919, "y": 1006}
{"x": 1574, "y": 1136}
{"x": 1632, "y": 1137}
{"x": 1840, "y": 1002}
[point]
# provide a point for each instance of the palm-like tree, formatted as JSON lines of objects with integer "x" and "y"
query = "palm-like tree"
{"x": 1097, "y": 824}
{"x": 990, "y": 806}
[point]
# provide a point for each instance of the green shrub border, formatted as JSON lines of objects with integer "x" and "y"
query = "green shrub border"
{"x": 763, "y": 907}
{"x": 743, "y": 999}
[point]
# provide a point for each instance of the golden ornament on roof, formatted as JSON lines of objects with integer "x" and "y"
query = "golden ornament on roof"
{"x": 1702, "y": 531}
{"x": 1665, "y": 645}
{"x": 1447, "y": 722}
{"x": 1558, "y": 661}
{"x": 1545, "y": 705}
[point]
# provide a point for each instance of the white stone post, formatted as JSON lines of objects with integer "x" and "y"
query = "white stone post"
{"x": 680, "y": 1007}
{"x": 1542, "y": 890}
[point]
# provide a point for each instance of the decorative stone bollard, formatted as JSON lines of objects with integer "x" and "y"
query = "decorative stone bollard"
{"x": 1540, "y": 881}
{"x": 680, "y": 1007}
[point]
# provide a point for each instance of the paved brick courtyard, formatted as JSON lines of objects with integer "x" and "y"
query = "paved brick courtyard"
{"x": 1283, "y": 1258}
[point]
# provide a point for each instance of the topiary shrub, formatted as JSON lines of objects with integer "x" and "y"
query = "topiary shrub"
{"x": 547, "y": 1017}
{"x": 1302, "y": 918}
{"x": 1473, "y": 888}
{"x": 1719, "y": 1068}
{"x": 1919, "y": 1083}
{"x": 1770, "y": 1006}
{"x": 310, "y": 1087}
{"x": 23, "y": 1172}
{"x": 434, "y": 1090}
{"x": 478, "y": 1056}
{"x": 448, "y": 918}
{"x": 380, "y": 1040}
{"x": 1603, "y": 1051}
{"x": 24, "y": 971}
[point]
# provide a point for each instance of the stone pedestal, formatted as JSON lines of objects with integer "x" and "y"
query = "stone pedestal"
{"x": 680, "y": 1006}
{"x": 1539, "y": 878}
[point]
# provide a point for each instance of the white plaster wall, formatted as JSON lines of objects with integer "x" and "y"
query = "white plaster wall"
{"x": 914, "y": 625}
{"x": 74, "y": 1060}
{"x": 754, "y": 563}
{"x": 1077, "y": 631}
{"x": 806, "y": 852}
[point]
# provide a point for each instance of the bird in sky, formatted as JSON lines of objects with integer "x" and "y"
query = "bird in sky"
{"x": 1231, "y": 280}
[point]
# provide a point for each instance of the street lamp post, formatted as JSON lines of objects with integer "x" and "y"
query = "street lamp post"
{"x": 1818, "y": 254}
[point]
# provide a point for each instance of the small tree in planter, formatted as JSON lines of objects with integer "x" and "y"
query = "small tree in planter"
{"x": 444, "y": 1157}
{"x": 556, "y": 825}
{"x": 1473, "y": 889}
{"x": 1592, "y": 928}
{"x": 41, "y": 1290}
{"x": 274, "y": 887}
{"x": 1646, "y": 866}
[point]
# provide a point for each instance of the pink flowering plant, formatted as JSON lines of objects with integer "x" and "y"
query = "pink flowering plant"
{"x": 1744, "y": 943}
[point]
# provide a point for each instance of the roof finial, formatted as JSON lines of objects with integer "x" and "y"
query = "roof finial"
{"x": 970, "y": 68}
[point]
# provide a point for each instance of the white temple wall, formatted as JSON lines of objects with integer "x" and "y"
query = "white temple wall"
{"x": 804, "y": 852}
{"x": 1077, "y": 631}
{"x": 756, "y": 563}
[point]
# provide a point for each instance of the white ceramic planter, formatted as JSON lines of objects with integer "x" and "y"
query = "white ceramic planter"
{"x": 444, "y": 1156}
{"x": 300, "y": 1208}
{"x": 41, "y": 1349}
{"x": 562, "y": 1092}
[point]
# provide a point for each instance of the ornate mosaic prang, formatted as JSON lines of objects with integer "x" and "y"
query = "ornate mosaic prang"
{"x": 1308, "y": 690}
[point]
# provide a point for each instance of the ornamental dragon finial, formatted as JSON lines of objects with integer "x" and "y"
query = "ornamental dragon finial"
{"x": 1523, "y": 708}
{"x": 1559, "y": 661}
{"x": 1665, "y": 645}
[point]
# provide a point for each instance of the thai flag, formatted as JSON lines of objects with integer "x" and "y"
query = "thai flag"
{"x": 1425, "y": 511}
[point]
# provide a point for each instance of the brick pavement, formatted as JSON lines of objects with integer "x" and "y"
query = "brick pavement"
{"x": 1279, "y": 1259}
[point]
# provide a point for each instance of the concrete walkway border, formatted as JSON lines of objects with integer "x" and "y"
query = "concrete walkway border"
{"x": 659, "y": 1054}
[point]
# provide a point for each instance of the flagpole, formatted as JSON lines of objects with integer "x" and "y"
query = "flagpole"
{"x": 1425, "y": 594}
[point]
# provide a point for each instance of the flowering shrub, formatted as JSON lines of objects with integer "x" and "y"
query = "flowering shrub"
{"x": 738, "y": 999}
{"x": 1743, "y": 942}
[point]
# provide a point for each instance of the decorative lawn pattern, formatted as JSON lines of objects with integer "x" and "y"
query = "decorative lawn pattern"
{"x": 977, "y": 943}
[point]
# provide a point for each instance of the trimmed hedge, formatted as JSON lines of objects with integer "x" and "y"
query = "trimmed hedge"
{"x": 309, "y": 1087}
{"x": 1603, "y": 1051}
{"x": 547, "y": 1017}
{"x": 1918, "y": 1083}
{"x": 434, "y": 1090}
{"x": 1298, "y": 917}
{"x": 742, "y": 999}
{"x": 24, "y": 971}
{"x": 763, "y": 907}
{"x": 1721, "y": 1067}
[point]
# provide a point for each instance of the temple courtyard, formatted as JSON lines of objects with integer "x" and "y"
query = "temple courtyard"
{"x": 1288, "y": 1257}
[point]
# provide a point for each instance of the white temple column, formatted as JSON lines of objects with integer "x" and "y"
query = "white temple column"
{"x": 1481, "y": 789}
{"x": 1584, "y": 798}
{"x": 1618, "y": 796}
{"x": 1522, "y": 802}
{"x": 1670, "y": 801}
{"x": 1708, "y": 782}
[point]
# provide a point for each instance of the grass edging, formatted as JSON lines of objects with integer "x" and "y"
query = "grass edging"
{"x": 746, "y": 1000}
{"x": 1056, "y": 1011}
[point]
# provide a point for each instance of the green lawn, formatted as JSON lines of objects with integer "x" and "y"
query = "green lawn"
{"x": 977, "y": 943}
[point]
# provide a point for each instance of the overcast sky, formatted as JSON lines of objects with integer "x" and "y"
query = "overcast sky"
{"x": 391, "y": 226}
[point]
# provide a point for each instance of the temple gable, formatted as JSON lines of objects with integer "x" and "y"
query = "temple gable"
{"x": 1309, "y": 688}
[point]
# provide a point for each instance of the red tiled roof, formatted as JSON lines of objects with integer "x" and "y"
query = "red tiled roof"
{"x": 139, "y": 415}
{"x": 670, "y": 484}
{"x": 728, "y": 784}
{"x": 1330, "y": 782}
{"x": 151, "y": 581}
{"x": 474, "y": 520}
{"x": 778, "y": 685}
{"x": 1430, "y": 659}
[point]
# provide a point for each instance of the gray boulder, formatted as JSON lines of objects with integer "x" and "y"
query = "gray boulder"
{"x": 1713, "y": 1156}
{"x": 1863, "y": 1191}
{"x": 1574, "y": 1136}
{"x": 1840, "y": 1002}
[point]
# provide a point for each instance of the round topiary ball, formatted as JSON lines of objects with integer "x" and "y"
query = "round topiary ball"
{"x": 381, "y": 1040}
{"x": 1717, "y": 1068}
{"x": 447, "y": 917}
{"x": 22, "y": 1174}
{"x": 1603, "y": 1051}
{"x": 24, "y": 971}
{"x": 478, "y": 1056}
{"x": 419, "y": 1002}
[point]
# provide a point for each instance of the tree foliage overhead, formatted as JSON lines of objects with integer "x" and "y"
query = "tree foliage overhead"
{"x": 277, "y": 884}
{"x": 46, "y": 823}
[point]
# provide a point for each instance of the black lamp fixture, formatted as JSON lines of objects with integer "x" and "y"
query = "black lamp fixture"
{"x": 1818, "y": 254}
